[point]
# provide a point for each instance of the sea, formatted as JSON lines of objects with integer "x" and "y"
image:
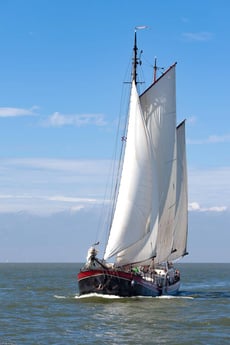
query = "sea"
{"x": 39, "y": 304}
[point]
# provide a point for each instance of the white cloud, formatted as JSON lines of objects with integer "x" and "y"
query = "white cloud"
{"x": 75, "y": 209}
{"x": 59, "y": 120}
{"x": 56, "y": 119}
{"x": 212, "y": 139}
{"x": 194, "y": 206}
{"x": 13, "y": 196}
{"x": 68, "y": 199}
{"x": 219, "y": 138}
{"x": 45, "y": 205}
{"x": 16, "y": 112}
{"x": 202, "y": 36}
{"x": 82, "y": 167}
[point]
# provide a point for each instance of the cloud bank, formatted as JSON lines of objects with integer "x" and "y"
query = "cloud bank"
{"x": 52, "y": 185}
{"x": 43, "y": 186}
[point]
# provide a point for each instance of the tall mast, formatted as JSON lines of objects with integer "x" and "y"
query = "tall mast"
{"x": 135, "y": 60}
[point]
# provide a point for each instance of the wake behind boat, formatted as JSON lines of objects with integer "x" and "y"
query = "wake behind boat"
{"x": 148, "y": 229}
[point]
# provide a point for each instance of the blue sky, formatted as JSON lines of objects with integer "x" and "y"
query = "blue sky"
{"x": 62, "y": 68}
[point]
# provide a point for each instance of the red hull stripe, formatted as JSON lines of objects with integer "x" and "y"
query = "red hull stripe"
{"x": 118, "y": 274}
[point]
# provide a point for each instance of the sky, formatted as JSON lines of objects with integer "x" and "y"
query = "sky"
{"x": 63, "y": 65}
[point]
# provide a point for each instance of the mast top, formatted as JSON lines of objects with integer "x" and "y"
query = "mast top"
{"x": 136, "y": 60}
{"x": 156, "y": 68}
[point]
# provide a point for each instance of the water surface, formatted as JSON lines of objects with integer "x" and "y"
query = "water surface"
{"x": 39, "y": 304}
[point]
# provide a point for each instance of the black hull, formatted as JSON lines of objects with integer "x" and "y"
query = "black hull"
{"x": 123, "y": 284}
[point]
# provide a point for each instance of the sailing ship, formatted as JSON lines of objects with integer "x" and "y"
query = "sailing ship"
{"x": 148, "y": 230}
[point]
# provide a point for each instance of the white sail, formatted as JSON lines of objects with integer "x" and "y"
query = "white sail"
{"x": 181, "y": 218}
{"x": 159, "y": 108}
{"x": 134, "y": 222}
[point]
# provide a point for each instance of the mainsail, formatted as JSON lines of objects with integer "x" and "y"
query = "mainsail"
{"x": 150, "y": 215}
{"x": 159, "y": 107}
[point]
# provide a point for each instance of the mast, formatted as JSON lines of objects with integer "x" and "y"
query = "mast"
{"x": 155, "y": 70}
{"x": 135, "y": 60}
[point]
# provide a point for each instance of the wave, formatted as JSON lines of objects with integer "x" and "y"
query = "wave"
{"x": 97, "y": 295}
{"x": 112, "y": 297}
{"x": 175, "y": 297}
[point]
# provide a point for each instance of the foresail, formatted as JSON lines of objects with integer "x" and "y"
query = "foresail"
{"x": 159, "y": 108}
{"x": 133, "y": 220}
{"x": 181, "y": 218}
